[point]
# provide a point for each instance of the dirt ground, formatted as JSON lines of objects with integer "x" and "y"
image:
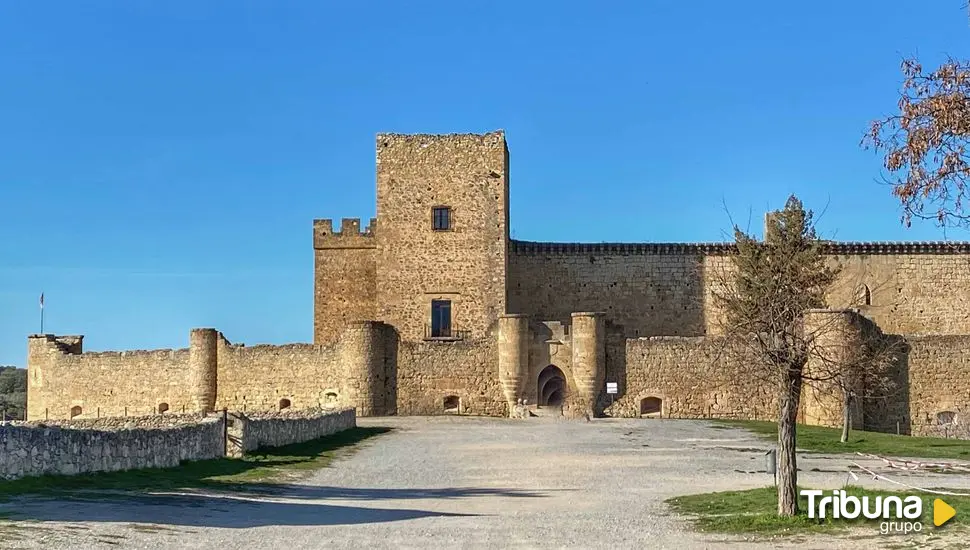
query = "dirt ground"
{"x": 464, "y": 482}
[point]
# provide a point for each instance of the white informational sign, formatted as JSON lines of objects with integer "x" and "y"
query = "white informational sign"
{"x": 611, "y": 387}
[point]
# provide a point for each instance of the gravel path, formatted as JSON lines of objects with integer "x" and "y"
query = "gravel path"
{"x": 458, "y": 482}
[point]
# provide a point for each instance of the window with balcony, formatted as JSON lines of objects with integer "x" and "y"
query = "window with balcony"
{"x": 441, "y": 319}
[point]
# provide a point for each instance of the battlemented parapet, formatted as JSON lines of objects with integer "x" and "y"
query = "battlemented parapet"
{"x": 349, "y": 235}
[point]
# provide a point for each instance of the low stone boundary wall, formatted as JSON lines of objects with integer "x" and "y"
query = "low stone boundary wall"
{"x": 107, "y": 444}
{"x": 247, "y": 432}
{"x": 68, "y": 447}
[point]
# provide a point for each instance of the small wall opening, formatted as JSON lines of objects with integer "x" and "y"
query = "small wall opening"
{"x": 162, "y": 408}
{"x": 946, "y": 418}
{"x": 452, "y": 404}
{"x": 284, "y": 404}
{"x": 330, "y": 398}
{"x": 651, "y": 406}
{"x": 75, "y": 411}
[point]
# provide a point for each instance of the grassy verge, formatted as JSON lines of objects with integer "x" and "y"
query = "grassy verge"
{"x": 264, "y": 466}
{"x": 754, "y": 512}
{"x": 826, "y": 440}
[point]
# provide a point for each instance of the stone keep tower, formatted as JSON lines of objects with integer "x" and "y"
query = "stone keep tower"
{"x": 443, "y": 232}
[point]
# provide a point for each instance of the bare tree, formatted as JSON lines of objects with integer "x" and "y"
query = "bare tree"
{"x": 763, "y": 293}
{"x": 925, "y": 143}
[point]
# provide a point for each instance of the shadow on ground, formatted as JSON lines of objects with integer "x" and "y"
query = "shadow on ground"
{"x": 226, "y": 493}
{"x": 237, "y": 511}
{"x": 352, "y": 493}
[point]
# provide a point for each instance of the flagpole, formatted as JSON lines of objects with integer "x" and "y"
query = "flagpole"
{"x": 42, "y": 313}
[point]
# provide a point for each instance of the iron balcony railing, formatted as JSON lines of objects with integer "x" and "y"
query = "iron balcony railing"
{"x": 445, "y": 333}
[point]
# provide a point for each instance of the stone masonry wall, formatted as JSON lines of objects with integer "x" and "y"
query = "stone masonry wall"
{"x": 248, "y": 432}
{"x": 913, "y": 290}
{"x": 657, "y": 289}
{"x": 31, "y": 449}
{"x": 258, "y": 378}
{"x": 464, "y": 264}
{"x": 64, "y": 383}
{"x": 652, "y": 290}
{"x": 127, "y": 383}
{"x": 428, "y": 372}
{"x": 344, "y": 277}
{"x": 937, "y": 370}
{"x": 693, "y": 378}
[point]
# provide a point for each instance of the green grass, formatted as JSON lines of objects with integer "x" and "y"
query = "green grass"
{"x": 264, "y": 466}
{"x": 826, "y": 440}
{"x": 754, "y": 512}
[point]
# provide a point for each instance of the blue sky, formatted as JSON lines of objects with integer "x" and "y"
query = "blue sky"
{"x": 161, "y": 162}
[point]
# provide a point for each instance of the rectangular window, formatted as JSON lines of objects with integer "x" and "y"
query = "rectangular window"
{"x": 441, "y": 218}
{"x": 440, "y": 318}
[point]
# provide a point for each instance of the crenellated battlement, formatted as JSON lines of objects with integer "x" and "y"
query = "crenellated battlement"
{"x": 529, "y": 248}
{"x": 349, "y": 236}
{"x": 67, "y": 345}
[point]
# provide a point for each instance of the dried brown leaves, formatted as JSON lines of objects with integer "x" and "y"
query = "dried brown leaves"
{"x": 925, "y": 144}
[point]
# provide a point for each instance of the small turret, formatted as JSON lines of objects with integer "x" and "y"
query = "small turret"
{"x": 203, "y": 364}
{"x": 362, "y": 354}
{"x": 513, "y": 356}
{"x": 589, "y": 357}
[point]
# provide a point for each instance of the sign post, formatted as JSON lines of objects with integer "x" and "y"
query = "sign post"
{"x": 611, "y": 389}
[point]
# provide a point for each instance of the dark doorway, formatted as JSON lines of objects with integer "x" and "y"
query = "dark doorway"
{"x": 651, "y": 406}
{"x": 551, "y": 387}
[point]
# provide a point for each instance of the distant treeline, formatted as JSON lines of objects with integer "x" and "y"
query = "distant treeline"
{"x": 13, "y": 393}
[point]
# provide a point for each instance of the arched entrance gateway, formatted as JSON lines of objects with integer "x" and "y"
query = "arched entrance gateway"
{"x": 551, "y": 387}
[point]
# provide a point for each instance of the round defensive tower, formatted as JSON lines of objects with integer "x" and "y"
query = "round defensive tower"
{"x": 836, "y": 339}
{"x": 362, "y": 353}
{"x": 203, "y": 364}
{"x": 513, "y": 355}
{"x": 589, "y": 357}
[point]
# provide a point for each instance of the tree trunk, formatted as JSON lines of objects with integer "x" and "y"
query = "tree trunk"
{"x": 791, "y": 387}
{"x": 846, "y": 414}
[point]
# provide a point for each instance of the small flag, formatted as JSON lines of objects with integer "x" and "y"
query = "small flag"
{"x": 41, "y": 300}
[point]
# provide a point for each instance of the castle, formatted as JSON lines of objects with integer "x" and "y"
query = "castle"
{"x": 434, "y": 309}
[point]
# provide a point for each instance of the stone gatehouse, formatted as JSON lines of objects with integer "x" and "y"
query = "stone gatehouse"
{"x": 433, "y": 309}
